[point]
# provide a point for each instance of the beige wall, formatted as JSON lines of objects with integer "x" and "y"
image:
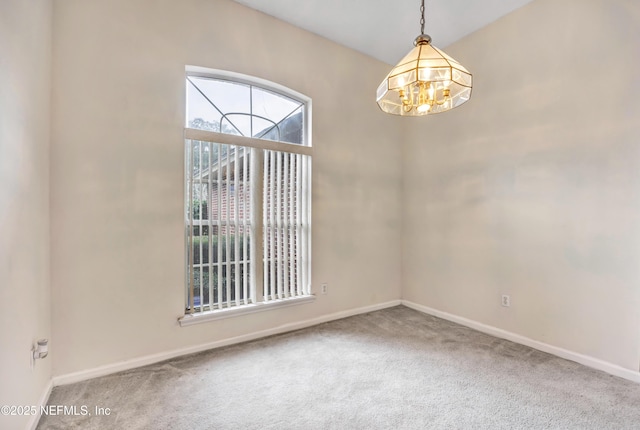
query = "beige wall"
{"x": 532, "y": 188}
{"x": 117, "y": 171}
{"x": 25, "y": 55}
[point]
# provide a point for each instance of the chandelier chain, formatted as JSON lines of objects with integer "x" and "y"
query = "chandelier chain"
{"x": 422, "y": 18}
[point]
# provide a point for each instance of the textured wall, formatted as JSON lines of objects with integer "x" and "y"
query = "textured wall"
{"x": 533, "y": 188}
{"x": 117, "y": 170}
{"x": 25, "y": 57}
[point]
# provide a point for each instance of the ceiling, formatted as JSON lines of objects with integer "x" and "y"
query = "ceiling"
{"x": 385, "y": 29}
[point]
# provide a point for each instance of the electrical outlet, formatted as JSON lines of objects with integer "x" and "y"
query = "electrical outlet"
{"x": 506, "y": 300}
{"x": 324, "y": 288}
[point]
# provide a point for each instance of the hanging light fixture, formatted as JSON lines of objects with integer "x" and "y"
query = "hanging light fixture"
{"x": 425, "y": 81}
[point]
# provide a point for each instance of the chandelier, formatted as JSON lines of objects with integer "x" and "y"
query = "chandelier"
{"x": 425, "y": 81}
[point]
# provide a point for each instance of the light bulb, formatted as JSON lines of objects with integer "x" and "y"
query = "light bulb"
{"x": 424, "y": 108}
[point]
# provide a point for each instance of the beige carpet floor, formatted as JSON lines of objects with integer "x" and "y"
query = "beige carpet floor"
{"x": 390, "y": 369}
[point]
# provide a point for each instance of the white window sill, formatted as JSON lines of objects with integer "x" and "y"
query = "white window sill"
{"x": 202, "y": 317}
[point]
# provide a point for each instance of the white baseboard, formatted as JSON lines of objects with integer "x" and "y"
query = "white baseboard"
{"x": 42, "y": 401}
{"x": 586, "y": 360}
{"x": 83, "y": 375}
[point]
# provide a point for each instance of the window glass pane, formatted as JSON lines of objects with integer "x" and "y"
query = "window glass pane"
{"x": 226, "y": 98}
{"x": 200, "y": 113}
{"x": 289, "y": 129}
{"x": 272, "y": 106}
{"x": 261, "y": 127}
{"x": 235, "y": 108}
{"x": 233, "y": 123}
{"x": 220, "y": 232}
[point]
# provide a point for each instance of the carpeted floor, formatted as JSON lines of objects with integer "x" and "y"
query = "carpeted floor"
{"x": 390, "y": 369}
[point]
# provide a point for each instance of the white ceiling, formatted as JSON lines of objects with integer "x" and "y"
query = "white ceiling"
{"x": 385, "y": 29}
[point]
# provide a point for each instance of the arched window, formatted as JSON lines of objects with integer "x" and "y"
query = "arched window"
{"x": 247, "y": 195}
{"x": 242, "y": 108}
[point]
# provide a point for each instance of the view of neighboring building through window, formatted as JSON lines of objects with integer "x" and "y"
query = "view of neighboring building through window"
{"x": 247, "y": 189}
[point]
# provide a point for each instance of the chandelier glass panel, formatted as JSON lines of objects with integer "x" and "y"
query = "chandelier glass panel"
{"x": 425, "y": 81}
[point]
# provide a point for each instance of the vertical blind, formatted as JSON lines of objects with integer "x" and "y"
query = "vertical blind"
{"x": 284, "y": 232}
{"x": 228, "y": 188}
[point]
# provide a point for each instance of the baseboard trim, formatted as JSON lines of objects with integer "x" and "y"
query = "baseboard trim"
{"x": 586, "y": 360}
{"x": 42, "y": 401}
{"x": 84, "y": 375}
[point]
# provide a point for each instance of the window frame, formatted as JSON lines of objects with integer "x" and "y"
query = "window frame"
{"x": 259, "y": 147}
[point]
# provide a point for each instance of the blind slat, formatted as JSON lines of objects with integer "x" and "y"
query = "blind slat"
{"x": 291, "y": 226}
{"x": 272, "y": 233}
{"x": 227, "y": 268}
{"x": 305, "y": 239}
{"x": 200, "y": 229}
{"x": 219, "y": 231}
{"x": 278, "y": 223}
{"x": 236, "y": 233}
{"x": 210, "y": 224}
{"x": 191, "y": 284}
{"x": 245, "y": 233}
{"x": 285, "y": 225}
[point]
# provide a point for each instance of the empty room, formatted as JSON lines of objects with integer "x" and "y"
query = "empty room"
{"x": 319, "y": 214}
